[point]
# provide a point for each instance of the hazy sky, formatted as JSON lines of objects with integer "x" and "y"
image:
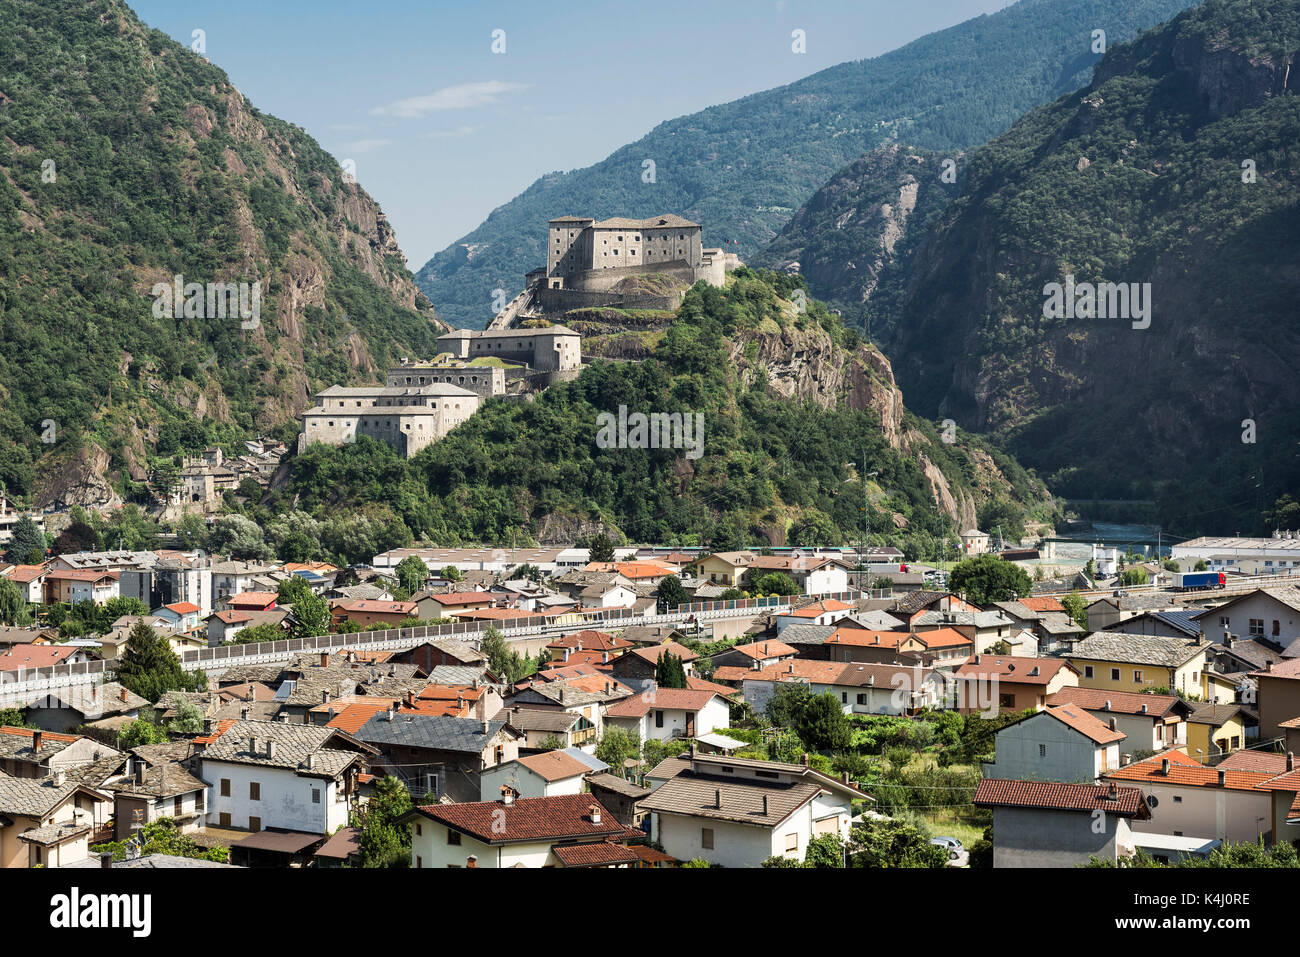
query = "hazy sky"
{"x": 443, "y": 130}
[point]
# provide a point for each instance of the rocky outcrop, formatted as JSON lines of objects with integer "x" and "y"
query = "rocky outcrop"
{"x": 79, "y": 480}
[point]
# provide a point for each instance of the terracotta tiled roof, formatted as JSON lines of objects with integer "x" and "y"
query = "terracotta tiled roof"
{"x": 654, "y": 652}
{"x": 370, "y": 606}
{"x": 18, "y": 657}
{"x": 459, "y": 598}
{"x": 1245, "y": 760}
{"x": 1075, "y": 717}
{"x": 554, "y": 818}
{"x": 1282, "y": 669}
{"x": 820, "y": 608}
{"x": 554, "y": 765}
{"x": 594, "y": 854}
{"x": 1056, "y": 796}
{"x": 699, "y": 684}
{"x": 668, "y": 699}
{"x": 1186, "y": 772}
{"x": 732, "y": 673}
{"x": 25, "y": 573}
{"x": 183, "y": 607}
{"x": 765, "y": 649}
{"x": 222, "y": 728}
{"x": 1042, "y": 603}
{"x": 251, "y": 598}
{"x": 590, "y": 640}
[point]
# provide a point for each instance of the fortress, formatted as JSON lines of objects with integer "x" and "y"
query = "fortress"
{"x": 406, "y": 418}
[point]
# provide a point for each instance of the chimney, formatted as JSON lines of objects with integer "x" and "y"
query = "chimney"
{"x": 507, "y": 795}
{"x": 106, "y": 859}
{"x": 471, "y": 861}
{"x": 1223, "y": 778}
{"x": 139, "y": 773}
{"x": 1112, "y": 724}
{"x": 311, "y": 760}
{"x": 977, "y": 659}
{"x": 764, "y": 805}
{"x": 1144, "y": 707}
{"x": 789, "y": 669}
{"x": 805, "y": 759}
{"x": 410, "y": 699}
{"x": 252, "y": 744}
{"x": 270, "y": 749}
{"x": 243, "y": 713}
{"x": 595, "y": 813}
{"x": 561, "y": 696}
{"x": 390, "y": 712}
{"x": 1164, "y": 766}
{"x": 324, "y": 659}
{"x": 325, "y": 696}
{"x": 36, "y": 740}
{"x": 122, "y": 694}
{"x": 1290, "y": 760}
{"x": 487, "y": 728}
{"x": 717, "y": 798}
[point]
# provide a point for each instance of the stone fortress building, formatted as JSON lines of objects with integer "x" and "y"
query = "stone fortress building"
{"x": 549, "y": 349}
{"x": 585, "y": 254}
{"x": 407, "y": 418}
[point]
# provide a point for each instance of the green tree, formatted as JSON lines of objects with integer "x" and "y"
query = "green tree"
{"x": 192, "y": 530}
{"x": 988, "y": 578}
{"x": 889, "y": 842}
{"x": 601, "y": 548}
{"x": 12, "y": 718}
{"x": 825, "y": 850}
{"x": 26, "y": 543}
{"x": 311, "y": 616}
{"x": 1076, "y": 609}
{"x": 822, "y": 724}
{"x": 255, "y": 634}
{"x": 139, "y": 733}
{"x": 383, "y": 842}
{"x": 161, "y": 836}
{"x": 617, "y": 746}
{"x": 412, "y": 573}
{"x": 150, "y": 668}
{"x": 670, "y": 672}
{"x": 13, "y": 604}
{"x": 1201, "y": 566}
{"x": 672, "y": 593}
{"x": 449, "y": 573}
{"x": 787, "y": 703}
{"x": 188, "y": 720}
{"x": 238, "y": 536}
{"x": 776, "y": 583}
{"x": 77, "y": 537}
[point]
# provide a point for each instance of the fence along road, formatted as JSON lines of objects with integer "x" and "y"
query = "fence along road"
{"x": 19, "y": 686}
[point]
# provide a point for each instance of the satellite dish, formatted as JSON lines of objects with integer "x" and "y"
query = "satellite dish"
{"x": 1153, "y": 802}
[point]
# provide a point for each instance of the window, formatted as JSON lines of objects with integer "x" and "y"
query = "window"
{"x": 1257, "y": 626}
{"x": 223, "y": 819}
{"x": 1006, "y": 701}
{"x": 178, "y": 805}
{"x": 1277, "y": 627}
{"x": 1087, "y": 671}
{"x": 254, "y": 823}
{"x": 225, "y": 787}
{"x": 315, "y": 795}
{"x": 706, "y": 838}
{"x": 1137, "y": 676}
{"x": 792, "y": 842}
{"x": 254, "y": 791}
{"x": 419, "y": 861}
{"x": 659, "y": 719}
{"x": 844, "y": 697}
{"x": 453, "y": 837}
{"x": 1042, "y": 750}
{"x": 862, "y": 699}
{"x": 1178, "y": 799}
{"x": 1223, "y": 621}
{"x": 1114, "y": 674}
{"x": 498, "y": 753}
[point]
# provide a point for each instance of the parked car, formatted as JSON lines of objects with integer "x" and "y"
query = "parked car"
{"x": 951, "y": 845}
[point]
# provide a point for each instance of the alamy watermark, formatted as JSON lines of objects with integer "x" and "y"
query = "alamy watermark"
{"x": 214, "y": 300}
{"x": 1102, "y": 300}
{"x": 657, "y": 430}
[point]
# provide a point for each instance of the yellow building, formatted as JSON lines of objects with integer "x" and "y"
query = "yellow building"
{"x": 1215, "y": 729}
{"x": 1112, "y": 661}
{"x": 725, "y": 568}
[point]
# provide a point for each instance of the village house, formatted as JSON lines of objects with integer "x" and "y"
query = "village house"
{"x": 30, "y": 579}
{"x": 564, "y": 830}
{"x": 724, "y": 568}
{"x": 24, "y": 657}
{"x": 813, "y": 575}
{"x": 1214, "y": 730}
{"x": 1110, "y": 610}
{"x": 1006, "y": 683}
{"x": 542, "y": 726}
{"x": 983, "y": 628}
{"x": 69, "y": 708}
{"x": 941, "y": 648}
{"x": 35, "y": 753}
{"x": 450, "y": 603}
{"x": 1278, "y": 695}
{"x": 1272, "y": 613}
{"x": 639, "y": 664}
{"x": 1060, "y": 824}
{"x": 155, "y": 789}
{"x": 223, "y": 626}
{"x": 363, "y": 612}
{"x": 274, "y": 774}
{"x": 1194, "y": 801}
{"x": 69, "y": 586}
{"x": 440, "y": 755}
{"x": 738, "y": 812}
{"x": 535, "y": 775}
{"x": 859, "y": 688}
{"x": 1149, "y": 722}
{"x": 661, "y": 714}
{"x": 824, "y": 612}
{"x": 754, "y": 655}
{"x": 1118, "y": 662}
{"x": 1062, "y": 743}
{"x": 47, "y": 822}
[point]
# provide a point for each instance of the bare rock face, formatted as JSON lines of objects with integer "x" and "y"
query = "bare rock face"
{"x": 80, "y": 481}
{"x": 557, "y": 529}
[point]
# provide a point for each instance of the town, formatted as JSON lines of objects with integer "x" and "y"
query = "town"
{"x": 645, "y": 707}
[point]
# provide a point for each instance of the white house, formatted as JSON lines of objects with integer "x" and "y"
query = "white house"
{"x": 536, "y": 775}
{"x": 275, "y": 774}
{"x": 861, "y": 688}
{"x": 738, "y": 812}
{"x": 1059, "y": 824}
{"x": 825, "y": 612}
{"x": 667, "y": 713}
{"x": 567, "y": 830}
{"x": 1150, "y": 722}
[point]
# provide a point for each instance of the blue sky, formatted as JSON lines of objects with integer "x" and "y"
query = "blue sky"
{"x": 442, "y": 130}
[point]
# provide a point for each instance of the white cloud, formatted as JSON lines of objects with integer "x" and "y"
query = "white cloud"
{"x": 459, "y": 132}
{"x": 463, "y": 96}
